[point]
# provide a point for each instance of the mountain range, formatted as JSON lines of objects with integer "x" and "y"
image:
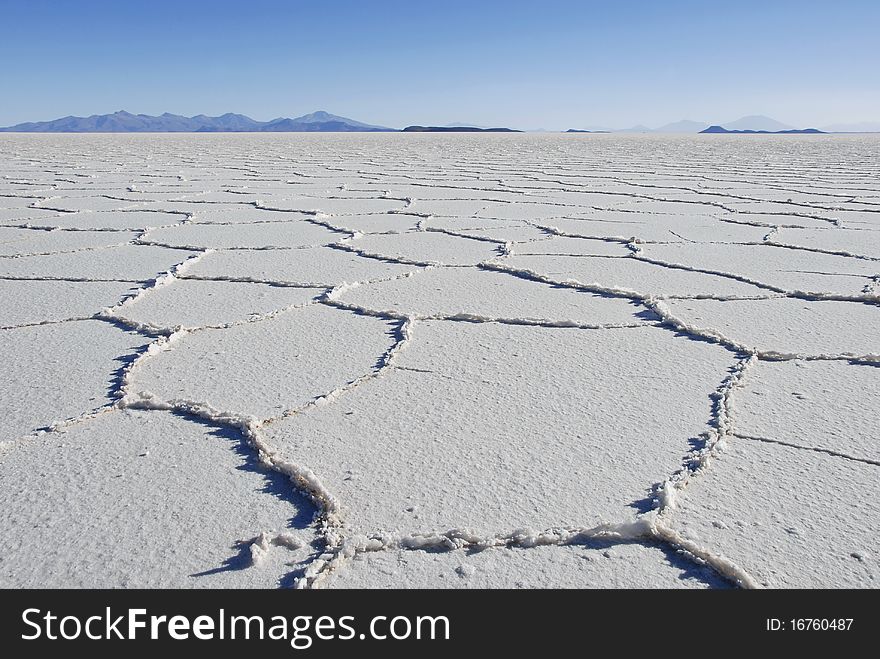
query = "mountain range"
{"x": 321, "y": 121}
{"x": 747, "y": 131}
{"x": 125, "y": 122}
{"x": 457, "y": 129}
{"x": 755, "y": 122}
{"x": 752, "y": 123}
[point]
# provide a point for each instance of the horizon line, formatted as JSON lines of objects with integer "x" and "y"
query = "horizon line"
{"x": 850, "y": 125}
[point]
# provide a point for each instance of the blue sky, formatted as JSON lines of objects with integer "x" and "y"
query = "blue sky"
{"x": 543, "y": 64}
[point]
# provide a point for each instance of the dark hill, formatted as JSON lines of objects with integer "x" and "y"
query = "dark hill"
{"x": 457, "y": 129}
{"x": 793, "y": 131}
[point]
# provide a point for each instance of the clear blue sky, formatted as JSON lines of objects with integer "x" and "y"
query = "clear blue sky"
{"x": 547, "y": 63}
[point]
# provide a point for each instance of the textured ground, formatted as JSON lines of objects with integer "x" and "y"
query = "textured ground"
{"x": 439, "y": 361}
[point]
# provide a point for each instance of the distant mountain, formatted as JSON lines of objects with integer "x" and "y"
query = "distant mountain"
{"x": 320, "y": 117}
{"x": 635, "y": 129}
{"x": 228, "y": 122}
{"x": 125, "y": 122}
{"x": 757, "y": 122}
{"x": 464, "y": 124}
{"x": 861, "y": 127}
{"x": 596, "y": 129}
{"x": 751, "y": 123}
{"x": 118, "y": 122}
{"x": 791, "y": 131}
{"x": 683, "y": 126}
{"x": 457, "y": 129}
{"x": 320, "y": 122}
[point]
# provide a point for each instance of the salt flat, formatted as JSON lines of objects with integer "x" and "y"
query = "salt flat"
{"x": 420, "y": 360}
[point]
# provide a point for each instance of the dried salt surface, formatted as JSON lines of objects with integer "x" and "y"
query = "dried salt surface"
{"x": 842, "y": 241}
{"x": 34, "y": 302}
{"x": 264, "y": 235}
{"x": 107, "y": 221}
{"x": 487, "y": 294}
{"x": 144, "y": 500}
{"x": 192, "y": 303}
{"x": 712, "y": 299}
{"x": 759, "y": 207}
{"x": 659, "y": 228}
{"x": 45, "y": 385}
{"x": 218, "y": 197}
{"x": 513, "y": 233}
{"x": 685, "y": 203}
{"x": 792, "y": 518}
{"x": 802, "y": 218}
{"x": 320, "y": 266}
{"x": 462, "y": 224}
{"x": 857, "y": 219}
{"x": 428, "y": 247}
{"x": 90, "y": 203}
{"x": 22, "y": 215}
{"x": 437, "y": 187}
{"x": 573, "y": 566}
{"x": 447, "y": 207}
{"x": 15, "y": 202}
{"x": 787, "y": 326}
{"x": 819, "y": 405}
{"x": 630, "y": 274}
{"x": 376, "y": 223}
{"x": 495, "y": 427}
{"x": 611, "y": 196}
{"x": 239, "y": 214}
{"x": 264, "y": 369}
{"x": 128, "y": 263}
{"x": 531, "y": 211}
{"x": 786, "y": 269}
{"x": 576, "y": 246}
{"x": 21, "y": 242}
{"x": 336, "y": 206}
{"x": 177, "y": 207}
